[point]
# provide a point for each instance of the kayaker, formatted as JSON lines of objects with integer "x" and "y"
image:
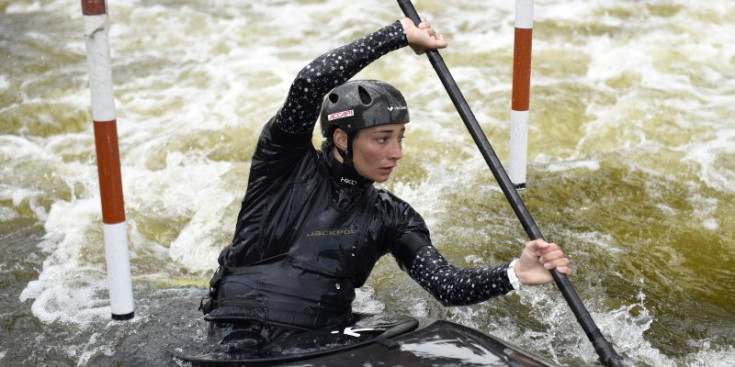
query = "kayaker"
{"x": 312, "y": 226}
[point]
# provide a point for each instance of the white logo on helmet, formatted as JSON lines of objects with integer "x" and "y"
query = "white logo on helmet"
{"x": 391, "y": 108}
{"x": 340, "y": 115}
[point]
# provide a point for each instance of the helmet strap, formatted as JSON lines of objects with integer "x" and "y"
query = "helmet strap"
{"x": 346, "y": 154}
{"x": 345, "y": 174}
{"x": 348, "y": 160}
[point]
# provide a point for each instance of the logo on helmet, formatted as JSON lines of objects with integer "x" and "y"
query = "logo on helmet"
{"x": 340, "y": 115}
{"x": 391, "y": 108}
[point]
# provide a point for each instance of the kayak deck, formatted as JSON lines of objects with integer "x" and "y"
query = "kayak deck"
{"x": 379, "y": 340}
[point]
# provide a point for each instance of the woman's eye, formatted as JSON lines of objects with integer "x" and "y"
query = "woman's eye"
{"x": 381, "y": 140}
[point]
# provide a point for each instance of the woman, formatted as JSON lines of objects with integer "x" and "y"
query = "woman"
{"x": 312, "y": 226}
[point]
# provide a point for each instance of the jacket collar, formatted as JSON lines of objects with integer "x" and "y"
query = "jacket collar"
{"x": 345, "y": 175}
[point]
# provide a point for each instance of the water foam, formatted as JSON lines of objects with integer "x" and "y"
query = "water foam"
{"x": 709, "y": 356}
{"x": 624, "y": 328}
{"x": 706, "y": 154}
{"x": 67, "y": 289}
{"x": 188, "y": 70}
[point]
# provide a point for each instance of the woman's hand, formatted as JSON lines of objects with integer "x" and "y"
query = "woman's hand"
{"x": 422, "y": 37}
{"x": 537, "y": 258}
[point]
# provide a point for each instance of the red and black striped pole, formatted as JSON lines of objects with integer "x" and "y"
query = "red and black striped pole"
{"x": 521, "y": 93}
{"x": 108, "y": 159}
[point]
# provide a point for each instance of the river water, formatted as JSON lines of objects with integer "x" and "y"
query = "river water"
{"x": 631, "y": 167}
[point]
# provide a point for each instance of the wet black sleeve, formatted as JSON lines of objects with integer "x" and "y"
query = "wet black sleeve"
{"x": 301, "y": 108}
{"x": 450, "y": 285}
{"x": 454, "y": 286}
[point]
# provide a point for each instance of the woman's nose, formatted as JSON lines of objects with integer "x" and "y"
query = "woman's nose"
{"x": 396, "y": 151}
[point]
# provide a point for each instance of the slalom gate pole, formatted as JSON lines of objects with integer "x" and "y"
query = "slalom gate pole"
{"x": 521, "y": 93}
{"x": 108, "y": 159}
{"x": 604, "y": 349}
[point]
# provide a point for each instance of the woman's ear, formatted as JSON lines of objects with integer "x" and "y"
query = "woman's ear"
{"x": 339, "y": 137}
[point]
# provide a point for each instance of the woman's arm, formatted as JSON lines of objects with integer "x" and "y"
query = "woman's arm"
{"x": 453, "y": 286}
{"x": 301, "y": 109}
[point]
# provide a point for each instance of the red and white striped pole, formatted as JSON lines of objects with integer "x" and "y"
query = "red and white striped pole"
{"x": 108, "y": 159}
{"x": 521, "y": 93}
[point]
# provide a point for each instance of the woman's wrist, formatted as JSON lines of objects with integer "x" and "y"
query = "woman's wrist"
{"x": 512, "y": 277}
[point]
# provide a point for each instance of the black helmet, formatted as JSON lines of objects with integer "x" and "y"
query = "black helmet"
{"x": 358, "y": 104}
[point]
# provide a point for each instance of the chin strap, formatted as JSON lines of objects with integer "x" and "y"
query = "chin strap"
{"x": 345, "y": 173}
{"x": 347, "y": 153}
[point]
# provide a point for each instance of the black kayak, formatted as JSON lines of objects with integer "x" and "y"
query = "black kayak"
{"x": 379, "y": 340}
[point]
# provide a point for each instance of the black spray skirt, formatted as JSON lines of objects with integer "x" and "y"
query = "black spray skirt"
{"x": 378, "y": 340}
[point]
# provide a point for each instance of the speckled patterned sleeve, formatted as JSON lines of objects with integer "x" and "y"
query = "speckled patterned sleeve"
{"x": 301, "y": 109}
{"x": 453, "y": 286}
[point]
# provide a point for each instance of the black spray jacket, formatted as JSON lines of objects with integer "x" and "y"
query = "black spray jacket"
{"x": 310, "y": 230}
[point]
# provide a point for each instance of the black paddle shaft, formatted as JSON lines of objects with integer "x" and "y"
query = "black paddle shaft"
{"x": 604, "y": 350}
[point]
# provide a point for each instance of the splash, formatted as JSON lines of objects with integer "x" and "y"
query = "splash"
{"x": 631, "y": 142}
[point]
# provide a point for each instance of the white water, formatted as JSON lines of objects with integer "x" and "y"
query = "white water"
{"x": 643, "y": 86}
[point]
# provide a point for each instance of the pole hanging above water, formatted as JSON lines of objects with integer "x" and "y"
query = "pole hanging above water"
{"x": 521, "y": 93}
{"x": 108, "y": 159}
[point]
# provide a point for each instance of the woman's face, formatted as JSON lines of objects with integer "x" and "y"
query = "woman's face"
{"x": 376, "y": 151}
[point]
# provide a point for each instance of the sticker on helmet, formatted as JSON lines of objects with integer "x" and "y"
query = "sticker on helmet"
{"x": 391, "y": 108}
{"x": 340, "y": 115}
